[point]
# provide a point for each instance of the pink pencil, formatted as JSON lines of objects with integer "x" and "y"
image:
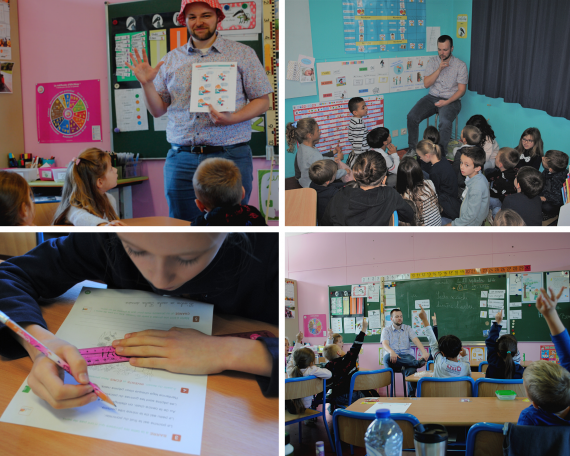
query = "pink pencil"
{"x": 46, "y": 351}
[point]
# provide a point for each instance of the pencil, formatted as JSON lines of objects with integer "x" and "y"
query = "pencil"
{"x": 46, "y": 351}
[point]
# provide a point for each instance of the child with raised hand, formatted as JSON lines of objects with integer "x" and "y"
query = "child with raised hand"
{"x": 335, "y": 339}
{"x": 302, "y": 364}
{"x": 412, "y": 186}
{"x": 448, "y": 353}
{"x": 305, "y": 133}
{"x": 357, "y": 130}
{"x": 84, "y": 199}
{"x": 343, "y": 366}
{"x": 16, "y": 200}
{"x": 530, "y": 148}
{"x": 546, "y": 305}
{"x": 443, "y": 178}
{"x": 501, "y": 353}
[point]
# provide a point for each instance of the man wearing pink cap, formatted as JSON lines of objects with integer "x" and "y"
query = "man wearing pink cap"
{"x": 196, "y": 136}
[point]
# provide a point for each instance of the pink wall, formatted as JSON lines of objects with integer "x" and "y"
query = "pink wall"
{"x": 319, "y": 260}
{"x": 63, "y": 40}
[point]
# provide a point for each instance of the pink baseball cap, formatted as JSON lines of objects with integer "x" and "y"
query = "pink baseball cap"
{"x": 212, "y": 3}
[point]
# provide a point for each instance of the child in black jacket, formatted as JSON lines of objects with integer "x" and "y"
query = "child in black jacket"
{"x": 555, "y": 174}
{"x": 502, "y": 178}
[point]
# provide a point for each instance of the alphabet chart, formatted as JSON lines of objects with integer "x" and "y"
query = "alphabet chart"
{"x": 155, "y": 408}
{"x": 333, "y": 118}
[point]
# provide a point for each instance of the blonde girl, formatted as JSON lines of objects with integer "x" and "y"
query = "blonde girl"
{"x": 16, "y": 200}
{"x": 85, "y": 201}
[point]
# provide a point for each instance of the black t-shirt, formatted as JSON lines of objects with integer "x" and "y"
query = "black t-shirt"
{"x": 530, "y": 209}
{"x": 324, "y": 195}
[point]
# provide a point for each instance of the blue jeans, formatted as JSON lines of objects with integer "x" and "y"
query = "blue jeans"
{"x": 445, "y": 220}
{"x": 408, "y": 364}
{"x": 495, "y": 205}
{"x": 424, "y": 108}
{"x": 179, "y": 170}
{"x": 342, "y": 400}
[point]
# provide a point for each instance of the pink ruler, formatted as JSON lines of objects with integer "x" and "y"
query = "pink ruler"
{"x": 102, "y": 355}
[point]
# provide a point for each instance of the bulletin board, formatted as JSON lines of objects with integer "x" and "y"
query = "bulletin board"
{"x": 151, "y": 143}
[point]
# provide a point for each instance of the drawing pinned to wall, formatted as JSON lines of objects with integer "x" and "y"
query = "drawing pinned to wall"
{"x": 531, "y": 285}
{"x": 130, "y": 110}
{"x": 407, "y": 74}
{"x": 462, "y": 26}
{"x": 240, "y": 17}
{"x": 373, "y": 26}
{"x": 417, "y": 324}
{"x": 5, "y": 33}
{"x": 306, "y": 68}
{"x": 373, "y": 292}
{"x": 359, "y": 291}
{"x": 348, "y": 79}
{"x": 515, "y": 284}
{"x": 293, "y": 71}
{"x": 557, "y": 280}
{"x": 336, "y": 325}
{"x": 268, "y": 192}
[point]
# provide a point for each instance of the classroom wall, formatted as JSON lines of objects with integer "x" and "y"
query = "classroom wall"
{"x": 64, "y": 40}
{"x": 318, "y": 260}
{"x": 508, "y": 120}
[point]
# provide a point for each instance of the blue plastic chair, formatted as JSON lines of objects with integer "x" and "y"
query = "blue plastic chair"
{"x": 395, "y": 218}
{"x": 428, "y": 365}
{"x": 493, "y": 444}
{"x": 458, "y": 380}
{"x": 512, "y": 384}
{"x": 354, "y": 434}
{"x": 39, "y": 238}
{"x": 481, "y": 364}
{"x": 309, "y": 413}
{"x": 358, "y": 378}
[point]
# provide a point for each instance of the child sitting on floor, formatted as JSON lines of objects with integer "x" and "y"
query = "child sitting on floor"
{"x": 555, "y": 174}
{"x": 380, "y": 141}
{"x": 323, "y": 174}
{"x": 16, "y": 200}
{"x": 470, "y": 136}
{"x": 502, "y": 179}
{"x": 526, "y": 202}
{"x": 219, "y": 192}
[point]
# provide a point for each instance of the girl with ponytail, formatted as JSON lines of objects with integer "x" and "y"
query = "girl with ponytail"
{"x": 85, "y": 201}
{"x": 502, "y": 353}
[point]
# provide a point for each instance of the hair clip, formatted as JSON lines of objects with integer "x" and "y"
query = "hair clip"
{"x": 294, "y": 124}
{"x": 508, "y": 352}
{"x": 77, "y": 162}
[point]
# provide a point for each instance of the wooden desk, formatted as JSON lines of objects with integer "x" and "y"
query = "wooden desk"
{"x": 301, "y": 207}
{"x": 414, "y": 378}
{"x": 450, "y": 411}
{"x": 238, "y": 419}
{"x": 155, "y": 221}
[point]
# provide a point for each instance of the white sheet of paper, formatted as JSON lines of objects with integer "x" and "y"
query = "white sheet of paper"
{"x": 359, "y": 291}
{"x": 336, "y": 325}
{"x": 373, "y": 292}
{"x": 349, "y": 325}
{"x": 482, "y": 303}
{"x": 423, "y": 302}
{"x": 390, "y": 290}
{"x": 130, "y": 110}
{"x": 306, "y": 68}
{"x": 557, "y": 280}
{"x": 432, "y": 34}
{"x": 484, "y": 294}
{"x": 483, "y": 314}
{"x": 374, "y": 319}
{"x": 515, "y": 304}
{"x": 213, "y": 83}
{"x": 515, "y": 284}
{"x": 531, "y": 285}
{"x": 393, "y": 407}
{"x": 515, "y": 314}
{"x": 155, "y": 408}
{"x": 493, "y": 312}
{"x": 496, "y": 294}
{"x": 358, "y": 327}
{"x": 496, "y": 303}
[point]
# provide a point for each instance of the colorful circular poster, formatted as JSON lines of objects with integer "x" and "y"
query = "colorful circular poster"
{"x": 315, "y": 326}
{"x": 68, "y": 114}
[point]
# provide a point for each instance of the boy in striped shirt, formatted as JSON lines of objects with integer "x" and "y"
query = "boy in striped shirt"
{"x": 357, "y": 130}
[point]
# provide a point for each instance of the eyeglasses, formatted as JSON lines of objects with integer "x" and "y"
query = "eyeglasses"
{"x": 528, "y": 140}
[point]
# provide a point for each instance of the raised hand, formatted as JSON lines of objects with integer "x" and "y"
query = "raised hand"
{"x": 141, "y": 69}
{"x": 434, "y": 319}
{"x": 364, "y": 325}
{"x": 499, "y": 317}
{"x": 546, "y": 303}
{"x": 463, "y": 352}
{"x": 423, "y": 316}
{"x": 300, "y": 337}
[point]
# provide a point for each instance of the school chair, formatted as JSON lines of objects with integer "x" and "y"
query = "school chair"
{"x": 445, "y": 387}
{"x": 367, "y": 380}
{"x": 394, "y": 219}
{"x": 483, "y": 365}
{"x": 350, "y": 427}
{"x": 485, "y": 439}
{"x": 301, "y": 207}
{"x": 44, "y": 213}
{"x": 297, "y": 388}
{"x": 430, "y": 366}
{"x": 536, "y": 440}
{"x": 486, "y": 387}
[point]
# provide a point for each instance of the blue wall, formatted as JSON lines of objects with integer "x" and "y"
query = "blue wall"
{"x": 508, "y": 120}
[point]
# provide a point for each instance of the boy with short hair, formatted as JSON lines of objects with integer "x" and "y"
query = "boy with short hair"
{"x": 448, "y": 354}
{"x": 379, "y": 140}
{"x": 343, "y": 366}
{"x": 470, "y": 136}
{"x": 357, "y": 130}
{"x": 323, "y": 175}
{"x": 555, "y": 174}
{"x": 219, "y": 191}
{"x": 502, "y": 179}
{"x": 526, "y": 202}
{"x": 475, "y": 205}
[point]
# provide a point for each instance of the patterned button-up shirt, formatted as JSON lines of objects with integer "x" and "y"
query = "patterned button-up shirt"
{"x": 447, "y": 82}
{"x": 399, "y": 339}
{"x": 173, "y": 84}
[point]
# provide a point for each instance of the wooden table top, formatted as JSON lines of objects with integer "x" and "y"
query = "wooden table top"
{"x": 450, "y": 411}
{"x": 155, "y": 221}
{"x": 238, "y": 419}
{"x": 414, "y": 378}
{"x": 301, "y": 207}
{"x": 120, "y": 182}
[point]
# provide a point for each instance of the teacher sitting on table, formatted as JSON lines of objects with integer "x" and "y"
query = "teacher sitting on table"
{"x": 446, "y": 76}
{"x": 396, "y": 341}
{"x": 195, "y": 136}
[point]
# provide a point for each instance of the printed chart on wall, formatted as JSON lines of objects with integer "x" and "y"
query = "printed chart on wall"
{"x": 379, "y": 26}
{"x": 69, "y": 111}
{"x": 5, "y": 34}
{"x": 315, "y": 325}
{"x": 289, "y": 299}
{"x": 333, "y": 118}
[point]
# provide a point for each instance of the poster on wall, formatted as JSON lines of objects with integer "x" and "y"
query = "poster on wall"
{"x": 6, "y": 70}
{"x": 268, "y": 186}
{"x": 69, "y": 111}
{"x": 315, "y": 325}
{"x": 5, "y": 36}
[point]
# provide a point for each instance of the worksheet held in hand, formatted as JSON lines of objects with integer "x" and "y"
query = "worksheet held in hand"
{"x": 155, "y": 408}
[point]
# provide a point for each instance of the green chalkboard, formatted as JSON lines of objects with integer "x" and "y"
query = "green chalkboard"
{"x": 345, "y": 291}
{"x": 151, "y": 143}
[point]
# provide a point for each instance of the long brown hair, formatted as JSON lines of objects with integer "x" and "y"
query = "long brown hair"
{"x": 80, "y": 187}
{"x": 537, "y": 145}
{"x": 303, "y": 358}
{"x": 14, "y": 191}
{"x": 507, "y": 349}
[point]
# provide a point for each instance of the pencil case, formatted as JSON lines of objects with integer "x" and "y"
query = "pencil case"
{"x": 506, "y": 395}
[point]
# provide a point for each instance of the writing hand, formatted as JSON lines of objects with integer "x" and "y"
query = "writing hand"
{"x": 141, "y": 68}
{"x": 220, "y": 118}
{"x": 46, "y": 377}
{"x": 499, "y": 317}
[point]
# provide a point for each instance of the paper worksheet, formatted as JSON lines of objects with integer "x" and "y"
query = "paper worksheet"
{"x": 374, "y": 319}
{"x": 557, "y": 280}
{"x": 130, "y": 110}
{"x": 392, "y": 406}
{"x": 155, "y": 408}
{"x": 213, "y": 83}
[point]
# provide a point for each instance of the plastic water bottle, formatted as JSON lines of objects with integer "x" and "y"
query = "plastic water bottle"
{"x": 384, "y": 437}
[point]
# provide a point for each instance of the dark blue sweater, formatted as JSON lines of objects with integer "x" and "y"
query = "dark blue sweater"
{"x": 235, "y": 282}
{"x": 496, "y": 368}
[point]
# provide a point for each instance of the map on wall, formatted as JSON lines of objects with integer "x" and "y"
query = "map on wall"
{"x": 379, "y": 26}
